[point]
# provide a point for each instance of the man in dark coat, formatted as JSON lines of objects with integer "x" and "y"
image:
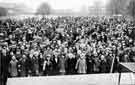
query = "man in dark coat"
{"x": 0, "y": 66}
{"x": 29, "y": 66}
{"x": 103, "y": 66}
{"x": 71, "y": 62}
{"x": 4, "y": 61}
{"x": 90, "y": 64}
{"x": 55, "y": 65}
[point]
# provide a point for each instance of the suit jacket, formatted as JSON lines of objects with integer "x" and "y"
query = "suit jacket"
{"x": 29, "y": 64}
{"x": 5, "y": 61}
{"x": 71, "y": 65}
{"x": 0, "y": 64}
{"x": 90, "y": 64}
{"x": 103, "y": 66}
{"x": 55, "y": 65}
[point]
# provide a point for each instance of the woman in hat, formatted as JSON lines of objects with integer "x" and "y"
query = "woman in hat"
{"x": 81, "y": 66}
{"x": 13, "y": 67}
{"x": 62, "y": 64}
{"x": 47, "y": 66}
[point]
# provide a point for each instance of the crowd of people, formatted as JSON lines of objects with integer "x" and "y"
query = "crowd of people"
{"x": 66, "y": 45}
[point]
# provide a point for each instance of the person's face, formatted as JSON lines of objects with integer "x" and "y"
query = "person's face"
{"x": 134, "y": 42}
{"x": 22, "y": 47}
{"x": 24, "y": 56}
{"x": 126, "y": 56}
{"x": 10, "y": 36}
{"x": 31, "y": 55}
{"x": 18, "y": 52}
{"x": 11, "y": 53}
{"x": 95, "y": 54}
{"x": 48, "y": 57}
{"x": 36, "y": 54}
{"x": 124, "y": 46}
{"x": 81, "y": 56}
{"x": 107, "y": 53}
{"x": 129, "y": 30}
{"x": 28, "y": 46}
{"x": 134, "y": 59}
{"x": 62, "y": 56}
{"x": 41, "y": 56}
{"x": 13, "y": 58}
{"x": 110, "y": 54}
{"x": 0, "y": 48}
{"x": 102, "y": 57}
{"x": 70, "y": 56}
{"x": 4, "y": 51}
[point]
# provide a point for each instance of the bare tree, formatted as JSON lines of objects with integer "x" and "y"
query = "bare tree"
{"x": 131, "y": 8}
{"x": 96, "y": 9}
{"x": 116, "y": 7}
{"x": 3, "y": 11}
{"x": 44, "y": 9}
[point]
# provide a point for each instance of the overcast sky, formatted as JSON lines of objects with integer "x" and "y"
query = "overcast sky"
{"x": 75, "y": 5}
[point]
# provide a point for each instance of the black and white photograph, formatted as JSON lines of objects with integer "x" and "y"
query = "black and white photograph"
{"x": 67, "y": 42}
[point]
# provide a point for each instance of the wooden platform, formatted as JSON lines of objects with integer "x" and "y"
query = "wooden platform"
{"x": 92, "y": 79}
